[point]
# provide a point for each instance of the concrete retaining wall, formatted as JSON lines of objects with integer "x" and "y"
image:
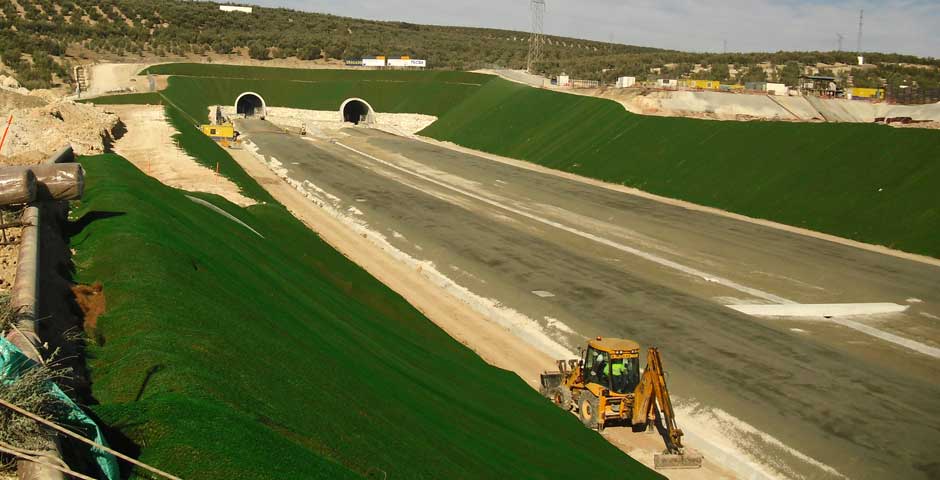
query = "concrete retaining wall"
{"x": 294, "y": 118}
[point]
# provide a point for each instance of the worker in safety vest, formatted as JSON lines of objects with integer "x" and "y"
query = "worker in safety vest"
{"x": 619, "y": 373}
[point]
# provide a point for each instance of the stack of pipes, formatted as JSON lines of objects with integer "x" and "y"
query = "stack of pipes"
{"x": 56, "y": 180}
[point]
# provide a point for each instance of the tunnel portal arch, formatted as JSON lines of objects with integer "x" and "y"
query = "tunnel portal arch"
{"x": 356, "y": 111}
{"x": 251, "y": 104}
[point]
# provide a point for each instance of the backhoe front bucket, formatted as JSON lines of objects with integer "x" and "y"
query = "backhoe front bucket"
{"x": 687, "y": 459}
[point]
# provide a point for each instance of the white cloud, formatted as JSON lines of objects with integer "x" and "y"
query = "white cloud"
{"x": 905, "y": 26}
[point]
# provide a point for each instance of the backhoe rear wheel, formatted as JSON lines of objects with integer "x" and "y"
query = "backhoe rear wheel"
{"x": 589, "y": 410}
{"x": 561, "y": 396}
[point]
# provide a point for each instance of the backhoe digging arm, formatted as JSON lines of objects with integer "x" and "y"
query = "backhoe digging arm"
{"x": 652, "y": 402}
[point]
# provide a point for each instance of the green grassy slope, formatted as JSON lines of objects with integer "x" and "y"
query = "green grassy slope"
{"x": 226, "y": 355}
{"x": 866, "y": 182}
{"x": 431, "y": 93}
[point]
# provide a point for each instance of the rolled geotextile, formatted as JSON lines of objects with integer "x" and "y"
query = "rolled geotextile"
{"x": 26, "y": 470}
{"x": 23, "y": 300}
{"x": 25, "y": 291}
{"x": 17, "y": 186}
{"x": 65, "y": 155}
{"x": 59, "y": 181}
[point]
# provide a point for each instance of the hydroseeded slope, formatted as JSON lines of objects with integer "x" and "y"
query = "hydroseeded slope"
{"x": 225, "y": 355}
{"x": 866, "y": 182}
{"x": 431, "y": 93}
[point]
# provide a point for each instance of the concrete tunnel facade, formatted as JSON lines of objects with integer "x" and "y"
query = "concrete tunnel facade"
{"x": 251, "y": 104}
{"x": 356, "y": 111}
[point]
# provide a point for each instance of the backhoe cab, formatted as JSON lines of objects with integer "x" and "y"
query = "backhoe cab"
{"x": 605, "y": 388}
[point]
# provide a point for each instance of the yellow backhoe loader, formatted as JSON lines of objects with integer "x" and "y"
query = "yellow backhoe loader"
{"x": 605, "y": 388}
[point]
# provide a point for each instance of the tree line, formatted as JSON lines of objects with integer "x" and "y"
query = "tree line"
{"x": 174, "y": 28}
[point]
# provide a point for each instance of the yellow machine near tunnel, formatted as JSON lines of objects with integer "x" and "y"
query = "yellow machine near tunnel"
{"x": 219, "y": 132}
{"x": 605, "y": 388}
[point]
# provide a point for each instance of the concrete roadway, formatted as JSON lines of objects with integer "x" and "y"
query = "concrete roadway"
{"x": 608, "y": 263}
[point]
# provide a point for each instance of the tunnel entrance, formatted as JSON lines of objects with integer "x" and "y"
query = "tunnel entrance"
{"x": 250, "y": 104}
{"x": 356, "y": 111}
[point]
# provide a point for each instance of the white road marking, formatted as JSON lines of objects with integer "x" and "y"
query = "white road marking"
{"x": 910, "y": 344}
{"x": 819, "y": 310}
{"x": 543, "y": 293}
{"x": 889, "y": 337}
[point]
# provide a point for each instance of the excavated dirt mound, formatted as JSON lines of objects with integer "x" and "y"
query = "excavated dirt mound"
{"x": 42, "y": 124}
{"x": 46, "y": 129}
{"x": 10, "y": 100}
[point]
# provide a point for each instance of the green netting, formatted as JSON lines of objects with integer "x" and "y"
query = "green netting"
{"x": 12, "y": 365}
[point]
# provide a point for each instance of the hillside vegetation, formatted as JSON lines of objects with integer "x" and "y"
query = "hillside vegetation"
{"x": 226, "y": 355}
{"x": 866, "y": 182}
{"x": 42, "y": 39}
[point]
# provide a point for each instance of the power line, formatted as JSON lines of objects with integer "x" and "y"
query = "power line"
{"x": 536, "y": 38}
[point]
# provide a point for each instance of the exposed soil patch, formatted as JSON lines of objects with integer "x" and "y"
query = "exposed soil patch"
{"x": 148, "y": 144}
{"x": 37, "y": 132}
{"x": 9, "y": 257}
{"x": 92, "y": 302}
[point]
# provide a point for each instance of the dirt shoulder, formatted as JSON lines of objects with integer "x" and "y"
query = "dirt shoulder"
{"x": 494, "y": 344}
{"x": 148, "y": 144}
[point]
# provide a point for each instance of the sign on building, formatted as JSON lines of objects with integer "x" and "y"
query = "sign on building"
{"x": 406, "y": 62}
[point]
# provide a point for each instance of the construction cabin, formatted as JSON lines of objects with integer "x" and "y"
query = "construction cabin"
{"x": 234, "y": 8}
{"x": 820, "y": 85}
{"x": 865, "y": 93}
{"x": 702, "y": 84}
{"x": 667, "y": 83}
{"x": 626, "y": 82}
{"x": 219, "y": 133}
{"x": 377, "y": 61}
{"x": 777, "y": 89}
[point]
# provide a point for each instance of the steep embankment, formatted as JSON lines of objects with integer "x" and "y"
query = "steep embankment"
{"x": 431, "y": 93}
{"x": 864, "y": 182}
{"x": 227, "y": 355}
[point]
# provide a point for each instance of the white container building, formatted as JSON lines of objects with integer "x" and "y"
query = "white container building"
{"x": 234, "y": 8}
{"x": 667, "y": 83}
{"x": 626, "y": 82}
{"x": 777, "y": 89}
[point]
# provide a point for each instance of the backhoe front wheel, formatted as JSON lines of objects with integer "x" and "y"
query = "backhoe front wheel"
{"x": 560, "y": 396}
{"x": 589, "y": 410}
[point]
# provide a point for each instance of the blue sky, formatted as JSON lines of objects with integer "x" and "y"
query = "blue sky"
{"x": 905, "y": 26}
